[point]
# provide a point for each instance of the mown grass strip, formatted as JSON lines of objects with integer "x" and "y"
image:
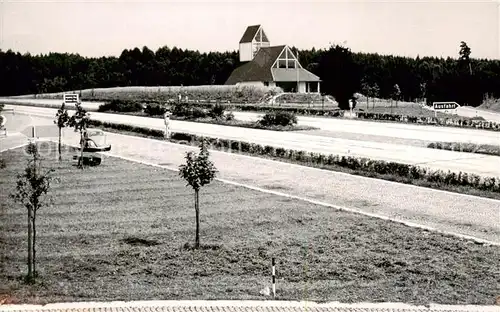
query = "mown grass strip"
{"x": 120, "y": 231}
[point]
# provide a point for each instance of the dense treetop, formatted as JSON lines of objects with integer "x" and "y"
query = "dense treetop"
{"x": 462, "y": 79}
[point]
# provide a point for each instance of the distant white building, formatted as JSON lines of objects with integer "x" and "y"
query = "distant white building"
{"x": 270, "y": 65}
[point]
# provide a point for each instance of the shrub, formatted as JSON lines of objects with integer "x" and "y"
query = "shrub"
{"x": 245, "y": 147}
{"x": 280, "y": 152}
{"x": 269, "y": 150}
{"x": 179, "y": 136}
{"x": 155, "y": 109}
{"x": 218, "y": 144}
{"x": 189, "y": 111}
{"x": 198, "y": 112}
{"x": 278, "y": 118}
{"x": 123, "y": 106}
{"x": 235, "y": 145}
{"x": 180, "y": 110}
{"x": 217, "y": 111}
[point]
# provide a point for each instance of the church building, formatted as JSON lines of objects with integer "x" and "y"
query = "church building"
{"x": 276, "y": 66}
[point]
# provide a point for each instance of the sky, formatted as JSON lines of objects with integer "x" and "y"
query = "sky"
{"x": 106, "y": 27}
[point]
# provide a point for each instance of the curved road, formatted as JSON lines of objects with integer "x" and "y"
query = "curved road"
{"x": 452, "y": 212}
{"x": 435, "y": 159}
{"x": 386, "y": 129}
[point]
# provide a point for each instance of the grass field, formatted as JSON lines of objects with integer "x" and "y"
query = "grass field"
{"x": 116, "y": 232}
{"x": 491, "y": 104}
{"x": 204, "y": 93}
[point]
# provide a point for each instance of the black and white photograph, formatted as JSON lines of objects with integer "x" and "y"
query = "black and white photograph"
{"x": 250, "y": 155}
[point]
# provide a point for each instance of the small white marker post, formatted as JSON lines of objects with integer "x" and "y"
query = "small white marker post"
{"x": 274, "y": 278}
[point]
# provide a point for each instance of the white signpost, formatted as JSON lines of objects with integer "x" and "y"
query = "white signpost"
{"x": 444, "y": 106}
{"x": 70, "y": 98}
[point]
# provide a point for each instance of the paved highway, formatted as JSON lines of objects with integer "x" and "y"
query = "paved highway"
{"x": 440, "y": 210}
{"x": 475, "y": 112}
{"x": 431, "y": 158}
{"x": 389, "y": 130}
{"x": 396, "y": 130}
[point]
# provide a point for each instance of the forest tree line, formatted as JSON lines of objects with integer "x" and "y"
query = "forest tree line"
{"x": 463, "y": 79}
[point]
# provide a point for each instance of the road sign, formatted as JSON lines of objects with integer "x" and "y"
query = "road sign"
{"x": 445, "y": 105}
{"x": 29, "y": 132}
{"x": 70, "y": 98}
{"x": 41, "y": 131}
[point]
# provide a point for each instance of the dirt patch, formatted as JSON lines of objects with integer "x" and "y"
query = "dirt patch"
{"x": 135, "y": 241}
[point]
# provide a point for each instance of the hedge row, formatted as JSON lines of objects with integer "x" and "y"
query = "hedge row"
{"x": 485, "y": 149}
{"x": 378, "y": 167}
{"x": 260, "y": 108}
{"x": 122, "y": 106}
{"x": 440, "y": 121}
{"x": 303, "y": 98}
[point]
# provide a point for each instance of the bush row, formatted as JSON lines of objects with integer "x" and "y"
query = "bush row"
{"x": 382, "y": 169}
{"x": 442, "y": 121}
{"x": 485, "y": 149}
{"x": 379, "y": 167}
{"x": 217, "y": 112}
{"x": 121, "y": 106}
{"x": 303, "y": 98}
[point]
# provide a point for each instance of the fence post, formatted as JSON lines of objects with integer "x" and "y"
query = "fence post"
{"x": 274, "y": 278}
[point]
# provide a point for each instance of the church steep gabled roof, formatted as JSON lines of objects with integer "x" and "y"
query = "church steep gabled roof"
{"x": 249, "y": 33}
{"x": 259, "y": 69}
